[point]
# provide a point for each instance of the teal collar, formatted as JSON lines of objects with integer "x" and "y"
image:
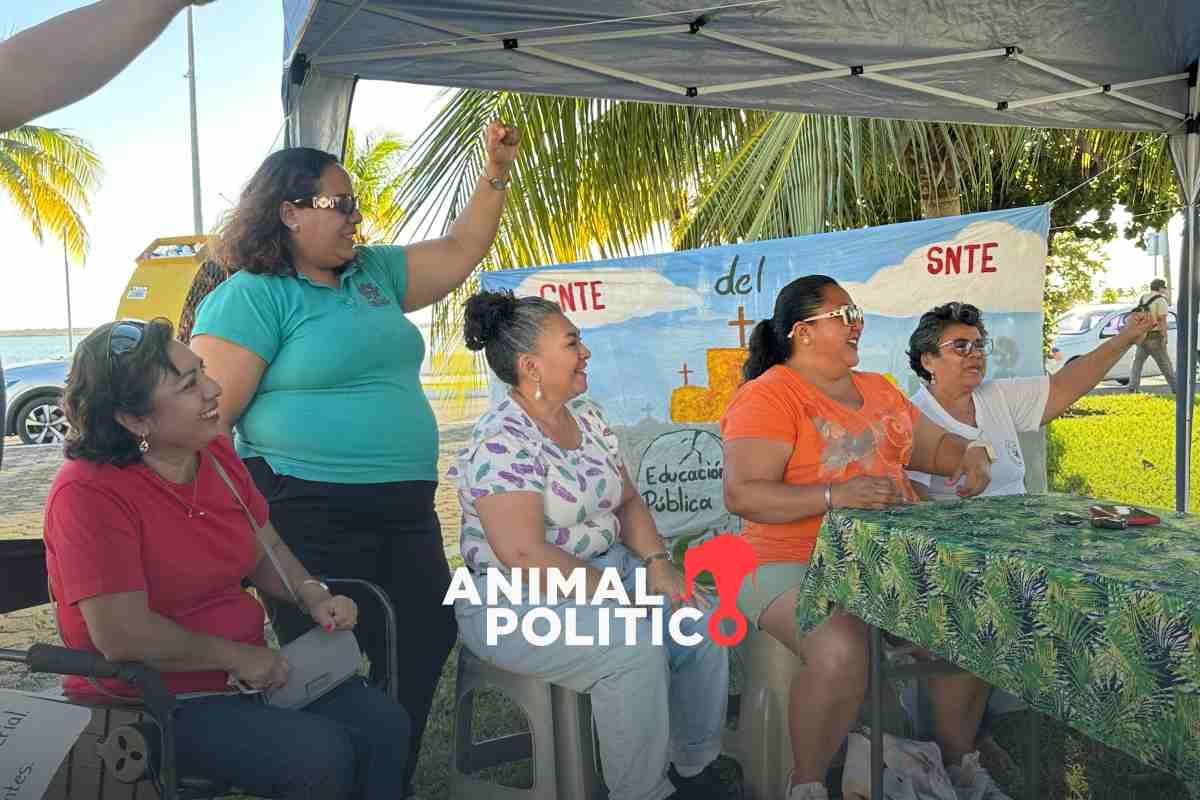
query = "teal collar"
{"x": 348, "y": 270}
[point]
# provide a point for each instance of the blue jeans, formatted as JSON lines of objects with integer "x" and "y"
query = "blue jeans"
{"x": 653, "y": 704}
{"x": 351, "y": 743}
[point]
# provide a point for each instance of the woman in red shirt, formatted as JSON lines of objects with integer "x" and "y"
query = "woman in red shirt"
{"x": 147, "y": 549}
{"x": 807, "y": 433}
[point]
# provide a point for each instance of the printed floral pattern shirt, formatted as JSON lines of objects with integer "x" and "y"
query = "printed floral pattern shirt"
{"x": 581, "y": 488}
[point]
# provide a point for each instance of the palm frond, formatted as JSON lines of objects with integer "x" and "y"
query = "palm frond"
{"x": 596, "y": 178}
{"x": 50, "y": 175}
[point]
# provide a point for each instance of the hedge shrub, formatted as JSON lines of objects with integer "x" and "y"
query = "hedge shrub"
{"x": 1119, "y": 447}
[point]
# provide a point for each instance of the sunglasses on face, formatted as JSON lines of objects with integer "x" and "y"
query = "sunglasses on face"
{"x": 965, "y": 347}
{"x": 851, "y": 315}
{"x": 124, "y": 337}
{"x": 345, "y": 203}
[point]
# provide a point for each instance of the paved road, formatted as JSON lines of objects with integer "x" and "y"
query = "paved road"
{"x": 26, "y": 477}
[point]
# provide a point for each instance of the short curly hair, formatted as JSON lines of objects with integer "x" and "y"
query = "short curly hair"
{"x": 928, "y": 335}
{"x": 99, "y": 386}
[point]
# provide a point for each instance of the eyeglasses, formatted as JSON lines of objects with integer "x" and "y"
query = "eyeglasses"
{"x": 345, "y": 203}
{"x": 124, "y": 337}
{"x": 965, "y": 347}
{"x": 851, "y": 315}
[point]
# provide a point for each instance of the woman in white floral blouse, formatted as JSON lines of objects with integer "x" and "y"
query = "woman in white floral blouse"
{"x": 542, "y": 486}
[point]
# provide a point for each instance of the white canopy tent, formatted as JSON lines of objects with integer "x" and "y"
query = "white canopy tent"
{"x": 1112, "y": 64}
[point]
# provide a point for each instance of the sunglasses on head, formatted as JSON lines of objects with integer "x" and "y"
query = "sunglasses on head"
{"x": 850, "y": 314}
{"x": 345, "y": 203}
{"x": 965, "y": 347}
{"x": 124, "y": 337}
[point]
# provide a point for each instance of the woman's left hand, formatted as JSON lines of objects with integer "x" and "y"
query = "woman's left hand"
{"x": 501, "y": 142}
{"x": 662, "y": 577}
{"x": 336, "y": 612}
{"x": 976, "y": 467}
{"x": 1136, "y": 326}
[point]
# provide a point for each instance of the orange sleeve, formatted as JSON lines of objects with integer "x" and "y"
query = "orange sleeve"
{"x": 758, "y": 411}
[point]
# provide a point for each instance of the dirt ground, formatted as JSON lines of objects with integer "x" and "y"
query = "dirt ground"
{"x": 28, "y": 472}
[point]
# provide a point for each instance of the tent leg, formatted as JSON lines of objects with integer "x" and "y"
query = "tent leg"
{"x": 1185, "y": 359}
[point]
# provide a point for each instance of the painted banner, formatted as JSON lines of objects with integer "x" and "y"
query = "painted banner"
{"x": 668, "y": 332}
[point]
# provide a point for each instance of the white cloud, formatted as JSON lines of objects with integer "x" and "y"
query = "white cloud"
{"x": 1013, "y": 282}
{"x": 607, "y": 295}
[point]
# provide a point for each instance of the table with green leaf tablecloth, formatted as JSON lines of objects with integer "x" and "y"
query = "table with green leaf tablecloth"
{"x": 1098, "y": 628}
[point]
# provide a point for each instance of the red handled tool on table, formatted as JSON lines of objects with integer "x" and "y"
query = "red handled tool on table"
{"x": 1119, "y": 517}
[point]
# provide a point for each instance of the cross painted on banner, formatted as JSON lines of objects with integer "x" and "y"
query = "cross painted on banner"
{"x": 685, "y": 372}
{"x": 741, "y": 323}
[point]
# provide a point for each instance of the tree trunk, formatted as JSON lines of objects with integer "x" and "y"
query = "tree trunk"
{"x": 941, "y": 201}
{"x": 937, "y": 181}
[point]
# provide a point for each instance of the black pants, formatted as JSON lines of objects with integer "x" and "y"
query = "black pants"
{"x": 386, "y": 533}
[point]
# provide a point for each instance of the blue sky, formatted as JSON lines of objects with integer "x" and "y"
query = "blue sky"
{"x": 139, "y": 126}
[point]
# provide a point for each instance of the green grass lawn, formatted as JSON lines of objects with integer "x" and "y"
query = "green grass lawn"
{"x": 1119, "y": 447}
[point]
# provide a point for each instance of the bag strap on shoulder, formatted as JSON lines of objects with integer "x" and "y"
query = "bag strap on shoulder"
{"x": 258, "y": 531}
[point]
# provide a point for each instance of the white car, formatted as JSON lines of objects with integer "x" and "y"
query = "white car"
{"x": 1084, "y": 328}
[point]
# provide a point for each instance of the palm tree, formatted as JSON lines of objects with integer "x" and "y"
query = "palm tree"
{"x": 49, "y": 175}
{"x": 601, "y": 178}
{"x": 374, "y": 165}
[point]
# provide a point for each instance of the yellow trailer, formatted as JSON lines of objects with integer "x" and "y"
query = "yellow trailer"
{"x": 172, "y": 275}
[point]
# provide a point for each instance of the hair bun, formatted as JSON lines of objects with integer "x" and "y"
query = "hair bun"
{"x": 486, "y": 314}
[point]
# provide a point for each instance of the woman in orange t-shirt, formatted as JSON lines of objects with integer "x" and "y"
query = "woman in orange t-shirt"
{"x": 805, "y": 434}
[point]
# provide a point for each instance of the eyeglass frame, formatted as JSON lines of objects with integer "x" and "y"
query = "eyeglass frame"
{"x": 331, "y": 202}
{"x": 984, "y": 346}
{"x": 136, "y": 324}
{"x": 843, "y": 311}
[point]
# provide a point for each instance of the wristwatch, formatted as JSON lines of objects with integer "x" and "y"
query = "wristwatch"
{"x": 987, "y": 448}
{"x": 499, "y": 184}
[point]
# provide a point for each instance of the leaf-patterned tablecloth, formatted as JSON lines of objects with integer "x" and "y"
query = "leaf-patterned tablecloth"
{"x": 1099, "y": 628}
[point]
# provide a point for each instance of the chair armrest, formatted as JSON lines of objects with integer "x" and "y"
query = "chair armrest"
{"x": 391, "y": 627}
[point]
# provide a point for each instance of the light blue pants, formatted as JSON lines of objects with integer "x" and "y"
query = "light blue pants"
{"x": 653, "y": 704}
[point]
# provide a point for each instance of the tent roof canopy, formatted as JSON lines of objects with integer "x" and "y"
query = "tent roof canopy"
{"x": 1122, "y": 64}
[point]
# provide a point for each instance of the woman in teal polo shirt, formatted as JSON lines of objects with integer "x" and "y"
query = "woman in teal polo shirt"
{"x": 320, "y": 371}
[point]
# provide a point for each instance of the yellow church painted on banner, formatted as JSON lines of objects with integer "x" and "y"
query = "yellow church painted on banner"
{"x": 707, "y": 403}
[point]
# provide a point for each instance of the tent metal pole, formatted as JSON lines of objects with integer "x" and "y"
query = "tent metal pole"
{"x": 600, "y": 69}
{"x": 781, "y": 80}
{"x": 1185, "y": 351}
{"x": 420, "y": 51}
{"x": 351, "y": 14}
{"x": 1113, "y": 89}
{"x": 1189, "y": 302}
{"x": 1157, "y": 109}
{"x": 922, "y": 88}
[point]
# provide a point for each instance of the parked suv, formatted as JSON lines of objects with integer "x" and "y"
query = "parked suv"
{"x": 34, "y": 391}
{"x": 1083, "y": 328}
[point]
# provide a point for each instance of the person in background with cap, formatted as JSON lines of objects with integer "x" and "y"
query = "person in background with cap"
{"x": 1155, "y": 344}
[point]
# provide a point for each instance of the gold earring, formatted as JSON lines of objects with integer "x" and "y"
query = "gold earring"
{"x": 537, "y": 391}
